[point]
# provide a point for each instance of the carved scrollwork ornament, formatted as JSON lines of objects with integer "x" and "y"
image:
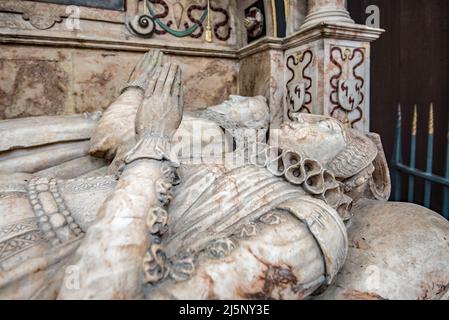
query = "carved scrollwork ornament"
{"x": 348, "y": 85}
{"x": 42, "y": 20}
{"x": 220, "y": 248}
{"x": 157, "y": 221}
{"x": 182, "y": 266}
{"x": 155, "y": 262}
{"x": 246, "y": 231}
{"x": 164, "y": 191}
{"x": 141, "y": 25}
{"x": 299, "y": 95}
{"x": 270, "y": 219}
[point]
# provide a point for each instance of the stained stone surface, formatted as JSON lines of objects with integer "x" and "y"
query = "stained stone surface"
{"x": 44, "y": 81}
{"x": 261, "y": 74}
{"x": 397, "y": 251}
{"x": 304, "y": 210}
{"x": 32, "y": 88}
{"x": 236, "y": 231}
{"x": 207, "y": 81}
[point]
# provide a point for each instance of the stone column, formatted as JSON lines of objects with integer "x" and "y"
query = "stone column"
{"x": 295, "y": 15}
{"x": 320, "y": 11}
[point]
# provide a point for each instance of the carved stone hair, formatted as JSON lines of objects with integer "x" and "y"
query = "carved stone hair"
{"x": 358, "y": 154}
{"x": 221, "y": 119}
{"x": 246, "y": 130}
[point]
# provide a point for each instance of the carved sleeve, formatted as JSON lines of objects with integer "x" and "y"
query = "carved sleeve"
{"x": 110, "y": 259}
{"x": 120, "y": 116}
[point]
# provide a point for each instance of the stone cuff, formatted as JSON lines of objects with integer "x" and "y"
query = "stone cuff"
{"x": 138, "y": 84}
{"x": 152, "y": 146}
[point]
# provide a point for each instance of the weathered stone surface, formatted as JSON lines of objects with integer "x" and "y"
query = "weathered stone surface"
{"x": 207, "y": 81}
{"x": 255, "y": 73}
{"x": 32, "y": 87}
{"x": 206, "y": 253}
{"x": 74, "y": 168}
{"x": 39, "y": 158}
{"x": 296, "y": 13}
{"x": 260, "y": 250}
{"x": 39, "y": 131}
{"x": 261, "y": 74}
{"x": 396, "y": 251}
{"x": 263, "y": 266}
{"x": 66, "y": 81}
{"x": 98, "y": 77}
{"x": 163, "y": 228}
{"x": 28, "y": 16}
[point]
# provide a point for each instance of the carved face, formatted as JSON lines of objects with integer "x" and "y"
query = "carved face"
{"x": 318, "y": 137}
{"x": 249, "y": 112}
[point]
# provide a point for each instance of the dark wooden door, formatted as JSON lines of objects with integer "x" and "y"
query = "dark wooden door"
{"x": 409, "y": 64}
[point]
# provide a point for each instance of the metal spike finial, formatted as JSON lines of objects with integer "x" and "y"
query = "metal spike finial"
{"x": 448, "y": 133}
{"x": 399, "y": 115}
{"x": 415, "y": 120}
{"x": 431, "y": 120}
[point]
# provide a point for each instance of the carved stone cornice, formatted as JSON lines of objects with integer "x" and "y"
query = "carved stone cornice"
{"x": 267, "y": 43}
{"x": 340, "y": 31}
{"x": 335, "y": 30}
{"x": 36, "y": 39}
{"x": 34, "y": 11}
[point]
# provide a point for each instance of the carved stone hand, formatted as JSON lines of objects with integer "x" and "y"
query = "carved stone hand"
{"x": 159, "y": 115}
{"x": 116, "y": 127}
{"x": 143, "y": 70}
{"x": 161, "y": 110}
